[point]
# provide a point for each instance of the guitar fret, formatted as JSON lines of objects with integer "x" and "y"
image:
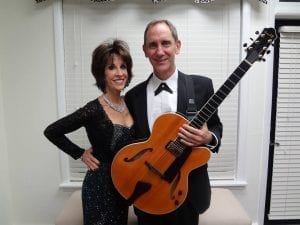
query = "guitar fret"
{"x": 239, "y": 70}
{"x": 198, "y": 118}
{"x": 229, "y": 84}
{"x": 195, "y": 121}
{"x": 244, "y": 66}
{"x": 208, "y": 111}
{"x": 225, "y": 94}
{"x": 215, "y": 101}
{"x": 206, "y": 108}
{"x": 224, "y": 85}
{"x": 212, "y": 108}
{"x": 195, "y": 124}
{"x": 199, "y": 123}
{"x": 237, "y": 78}
{"x": 239, "y": 67}
{"x": 231, "y": 81}
{"x": 220, "y": 96}
{"x": 205, "y": 115}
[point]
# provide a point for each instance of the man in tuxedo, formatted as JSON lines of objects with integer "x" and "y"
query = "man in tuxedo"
{"x": 149, "y": 99}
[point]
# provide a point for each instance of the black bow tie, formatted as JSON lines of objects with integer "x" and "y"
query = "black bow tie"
{"x": 162, "y": 87}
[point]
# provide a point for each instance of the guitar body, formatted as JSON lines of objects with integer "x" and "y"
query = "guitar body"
{"x": 150, "y": 175}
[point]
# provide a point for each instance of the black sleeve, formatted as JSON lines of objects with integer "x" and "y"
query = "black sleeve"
{"x": 56, "y": 132}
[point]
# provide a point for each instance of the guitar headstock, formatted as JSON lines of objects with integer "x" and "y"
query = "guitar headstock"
{"x": 258, "y": 48}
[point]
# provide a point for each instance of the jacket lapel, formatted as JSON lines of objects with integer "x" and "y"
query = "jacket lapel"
{"x": 141, "y": 108}
{"x": 182, "y": 94}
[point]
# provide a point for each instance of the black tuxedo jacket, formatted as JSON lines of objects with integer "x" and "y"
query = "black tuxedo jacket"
{"x": 199, "y": 192}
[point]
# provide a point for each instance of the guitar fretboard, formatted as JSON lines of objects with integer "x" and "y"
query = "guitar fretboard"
{"x": 215, "y": 101}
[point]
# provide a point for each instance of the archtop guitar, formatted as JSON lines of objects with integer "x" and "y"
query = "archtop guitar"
{"x": 153, "y": 174}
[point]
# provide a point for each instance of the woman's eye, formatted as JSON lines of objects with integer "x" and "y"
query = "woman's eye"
{"x": 111, "y": 67}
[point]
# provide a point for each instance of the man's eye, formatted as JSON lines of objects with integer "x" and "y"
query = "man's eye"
{"x": 166, "y": 44}
{"x": 152, "y": 46}
{"x": 124, "y": 67}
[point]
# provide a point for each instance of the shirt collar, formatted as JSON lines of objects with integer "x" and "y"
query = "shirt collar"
{"x": 171, "y": 81}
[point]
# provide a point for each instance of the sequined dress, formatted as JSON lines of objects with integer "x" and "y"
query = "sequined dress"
{"x": 102, "y": 204}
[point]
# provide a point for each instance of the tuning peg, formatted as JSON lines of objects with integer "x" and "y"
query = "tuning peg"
{"x": 251, "y": 39}
{"x": 261, "y": 59}
{"x": 268, "y": 52}
{"x": 257, "y": 32}
{"x": 245, "y": 45}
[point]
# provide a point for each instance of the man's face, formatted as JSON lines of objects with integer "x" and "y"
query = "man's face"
{"x": 160, "y": 47}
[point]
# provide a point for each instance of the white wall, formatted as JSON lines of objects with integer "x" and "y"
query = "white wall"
{"x": 257, "y": 105}
{"x": 28, "y": 96}
{"x": 5, "y": 194}
{"x": 30, "y": 173}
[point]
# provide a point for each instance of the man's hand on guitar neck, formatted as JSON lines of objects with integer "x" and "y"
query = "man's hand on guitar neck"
{"x": 193, "y": 137}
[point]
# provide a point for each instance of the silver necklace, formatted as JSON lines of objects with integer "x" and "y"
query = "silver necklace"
{"x": 119, "y": 108}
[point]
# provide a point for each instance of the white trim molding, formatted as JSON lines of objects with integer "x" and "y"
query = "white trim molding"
{"x": 60, "y": 77}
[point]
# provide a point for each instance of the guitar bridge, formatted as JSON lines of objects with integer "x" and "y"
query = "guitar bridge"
{"x": 154, "y": 170}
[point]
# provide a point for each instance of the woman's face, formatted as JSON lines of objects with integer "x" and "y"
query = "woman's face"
{"x": 116, "y": 74}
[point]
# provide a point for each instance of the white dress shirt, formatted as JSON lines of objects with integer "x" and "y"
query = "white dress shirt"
{"x": 162, "y": 102}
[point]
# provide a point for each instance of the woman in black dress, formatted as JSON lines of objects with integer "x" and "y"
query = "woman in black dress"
{"x": 108, "y": 126}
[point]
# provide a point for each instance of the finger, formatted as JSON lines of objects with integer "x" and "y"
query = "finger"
{"x": 191, "y": 139}
{"x": 187, "y": 135}
{"x": 94, "y": 160}
{"x": 186, "y": 138}
{"x": 93, "y": 166}
{"x": 183, "y": 131}
{"x": 194, "y": 130}
{"x": 188, "y": 128}
{"x": 87, "y": 156}
{"x": 186, "y": 143}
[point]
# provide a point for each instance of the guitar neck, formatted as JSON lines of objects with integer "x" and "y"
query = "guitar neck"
{"x": 213, "y": 103}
